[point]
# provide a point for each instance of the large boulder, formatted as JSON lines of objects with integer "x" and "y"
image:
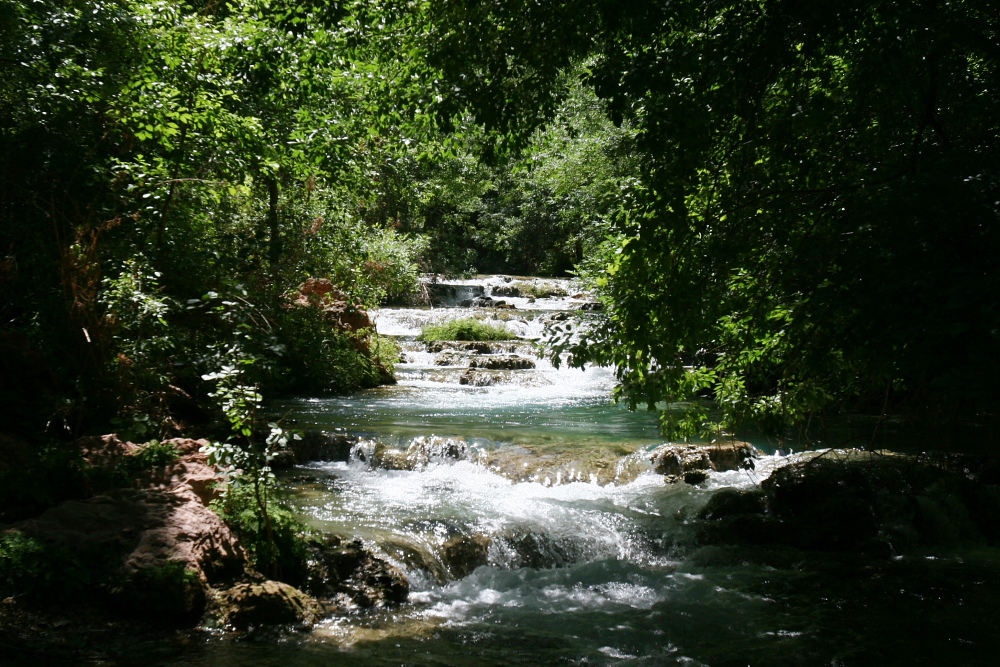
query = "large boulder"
{"x": 13, "y": 452}
{"x": 856, "y": 502}
{"x": 157, "y": 548}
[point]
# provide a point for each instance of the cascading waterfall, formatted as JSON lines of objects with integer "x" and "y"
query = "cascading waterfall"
{"x": 522, "y": 506}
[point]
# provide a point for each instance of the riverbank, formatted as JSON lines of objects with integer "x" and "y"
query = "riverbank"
{"x": 148, "y": 551}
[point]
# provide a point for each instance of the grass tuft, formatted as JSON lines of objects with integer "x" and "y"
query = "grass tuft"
{"x": 466, "y": 329}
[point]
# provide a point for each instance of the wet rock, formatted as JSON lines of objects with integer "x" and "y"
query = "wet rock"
{"x": 730, "y": 502}
{"x": 679, "y": 460}
{"x": 421, "y": 452}
{"x": 506, "y": 290}
{"x": 596, "y": 466}
{"x": 742, "y": 529}
{"x": 472, "y": 347}
{"x": 322, "y": 446}
{"x": 450, "y": 358}
{"x": 282, "y": 460}
{"x": 856, "y": 502}
{"x": 435, "y": 449}
{"x": 443, "y": 294}
{"x": 377, "y": 584}
{"x": 592, "y": 306}
{"x": 478, "y": 379}
{"x": 732, "y": 456}
{"x": 675, "y": 460}
{"x": 461, "y": 554}
{"x": 477, "y": 302}
{"x": 695, "y": 476}
{"x": 341, "y": 568}
{"x": 527, "y": 548}
{"x": 502, "y": 362}
{"x": 417, "y": 555}
{"x": 250, "y": 605}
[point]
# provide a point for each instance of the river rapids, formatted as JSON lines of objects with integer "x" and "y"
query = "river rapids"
{"x": 544, "y": 538}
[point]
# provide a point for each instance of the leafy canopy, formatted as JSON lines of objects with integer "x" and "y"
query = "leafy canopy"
{"x": 816, "y": 219}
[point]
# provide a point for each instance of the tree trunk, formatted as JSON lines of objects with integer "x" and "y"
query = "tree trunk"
{"x": 274, "y": 242}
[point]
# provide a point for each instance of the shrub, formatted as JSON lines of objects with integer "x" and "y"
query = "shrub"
{"x": 154, "y": 454}
{"x": 275, "y": 541}
{"x": 42, "y": 571}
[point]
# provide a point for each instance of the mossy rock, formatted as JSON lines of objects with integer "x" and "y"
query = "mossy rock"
{"x": 269, "y": 603}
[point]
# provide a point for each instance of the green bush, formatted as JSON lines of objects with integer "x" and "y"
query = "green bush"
{"x": 52, "y": 474}
{"x": 275, "y": 541}
{"x": 154, "y": 454}
{"x": 33, "y": 568}
{"x": 468, "y": 329}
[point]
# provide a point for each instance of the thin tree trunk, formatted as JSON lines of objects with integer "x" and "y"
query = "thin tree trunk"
{"x": 274, "y": 242}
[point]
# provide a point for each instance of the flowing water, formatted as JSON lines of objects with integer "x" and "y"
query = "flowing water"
{"x": 532, "y": 534}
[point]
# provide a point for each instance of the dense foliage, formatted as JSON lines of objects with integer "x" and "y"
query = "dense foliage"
{"x": 786, "y": 208}
{"x": 170, "y": 172}
{"x": 816, "y": 220}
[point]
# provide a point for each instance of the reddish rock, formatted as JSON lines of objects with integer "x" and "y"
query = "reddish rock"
{"x": 104, "y": 450}
{"x": 163, "y": 546}
{"x": 190, "y": 475}
{"x": 336, "y": 306}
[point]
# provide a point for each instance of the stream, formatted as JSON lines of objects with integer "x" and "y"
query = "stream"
{"x": 532, "y": 534}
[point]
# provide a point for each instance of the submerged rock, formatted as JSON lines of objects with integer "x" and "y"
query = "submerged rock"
{"x": 731, "y": 502}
